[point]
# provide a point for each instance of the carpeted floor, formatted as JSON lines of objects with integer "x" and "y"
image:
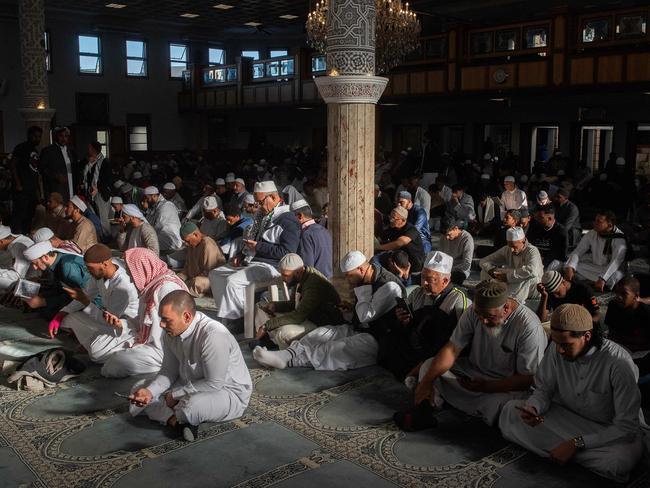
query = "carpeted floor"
{"x": 302, "y": 428}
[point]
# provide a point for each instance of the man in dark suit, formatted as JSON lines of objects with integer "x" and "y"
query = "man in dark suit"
{"x": 59, "y": 165}
{"x": 26, "y": 188}
{"x": 97, "y": 182}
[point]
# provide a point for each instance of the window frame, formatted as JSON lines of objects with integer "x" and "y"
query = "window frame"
{"x": 285, "y": 50}
{"x": 223, "y": 56}
{"x": 138, "y": 120}
{"x": 145, "y": 59}
{"x": 241, "y": 54}
{"x": 170, "y": 60}
{"x": 99, "y": 54}
{"x": 47, "y": 47}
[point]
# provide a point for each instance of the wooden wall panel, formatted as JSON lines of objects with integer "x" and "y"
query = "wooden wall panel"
{"x": 309, "y": 90}
{"x": 220, "y": 97}
{"x": 610, "y": 69}
{"x": 638, "y": 67}
{"x": 200, "y": 100}
{"x": 286, "y": 93}
{"x": 400, "y": 84}
{"x": 582, "y": 71}
{"x": 510, "y": 80}
{"x": 451, "y": 82}
{"x": 209, "y": 99}
{"x": 558, "y": 69}
{"x": 473, "y": 78}
{"x": 559, "y": 31}
{"x": 533, "y": 74}
{"x": 417, "y": 83}
{"x": 273, "y": 94}
{"x": 436, "y": 81}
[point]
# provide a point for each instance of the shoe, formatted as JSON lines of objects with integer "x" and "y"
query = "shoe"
{"x": 418, "y": 418}
{"x": 190, "y": 432}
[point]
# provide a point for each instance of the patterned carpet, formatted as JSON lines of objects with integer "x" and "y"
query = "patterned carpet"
{"x": 302, "y": 428}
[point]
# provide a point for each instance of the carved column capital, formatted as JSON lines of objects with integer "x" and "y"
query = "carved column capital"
{"x": 351, "y": 89}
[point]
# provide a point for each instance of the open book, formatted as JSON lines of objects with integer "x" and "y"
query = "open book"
{"x": 26, "y": 289}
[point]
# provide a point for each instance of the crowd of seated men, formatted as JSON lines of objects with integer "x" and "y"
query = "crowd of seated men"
{"x": 122, "y": 255}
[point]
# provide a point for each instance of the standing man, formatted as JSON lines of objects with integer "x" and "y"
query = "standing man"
{"x": 24, "y": 164}
{"x": 315, "y": 247}
{"x": 59, "y": 165}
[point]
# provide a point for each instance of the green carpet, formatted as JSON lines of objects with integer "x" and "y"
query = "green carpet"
{"x": 302, "y": 428}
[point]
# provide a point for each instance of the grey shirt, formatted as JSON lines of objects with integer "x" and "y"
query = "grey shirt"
{"x": 143, "y": 236}
{"x": 518, "y": 267}
{"x": 461, "y": 249}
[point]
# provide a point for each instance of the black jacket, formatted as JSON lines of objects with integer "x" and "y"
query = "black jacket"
{"x": 53, "y": 165}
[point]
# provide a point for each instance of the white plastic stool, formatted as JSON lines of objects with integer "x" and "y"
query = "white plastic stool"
{"x": 276, "y": 286}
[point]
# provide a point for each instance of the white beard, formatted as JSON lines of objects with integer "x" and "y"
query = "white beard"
{"x": 493, "y": 332}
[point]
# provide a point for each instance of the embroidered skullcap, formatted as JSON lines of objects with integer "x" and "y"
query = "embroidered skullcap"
{"x": 220, "y": 182}
{"x": 249, "y": 199}
{"x": 117, "y": 200}
{"x": 404, "y": 195}
{"x": 43, "y": 234}
{"x": 551, "y": 281}
{"x": 439, "y": 261}
{"x": 210, "y": 203}
{"x": 5, "y": 231}
{"x": 133, "y": 211}
{"x": 298, "y": 204}
{"x": 97, "y": 253}
{"x": 490, "y": 294}
{"x": 151, "y": 190}
{"x": 572, "y": 317}
{"x": 515, "y": 234}
{"x": 509, "y": 179}
{"x": 542, "y": 197}
{"x": 187, "y": 228}
{"x": 352, "y": 260}
{"x": 291, "y": 262}
{"x": 402, "y": 212}
{"x": 265, "y": 187}
{"x": 79, "y": 203}
{"x": 38, "y": 250}
{"x": 169, "y": 186}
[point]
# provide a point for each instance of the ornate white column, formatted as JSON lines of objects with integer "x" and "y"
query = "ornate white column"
{"x": 36, "y": 108}
{"x": 351, "y": 91}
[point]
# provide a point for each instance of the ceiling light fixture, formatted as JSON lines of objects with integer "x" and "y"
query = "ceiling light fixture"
{"x": 253, "y": 24}
{"x": 188, "y": 15}
{"x": 115, "y": 5}
{"x": 304, "y": 108}
{"x": 288, "y": 16}
{"x": 223, "y": 6}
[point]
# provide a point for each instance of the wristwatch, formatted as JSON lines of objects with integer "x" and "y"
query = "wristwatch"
{"x": 579, "y": 442}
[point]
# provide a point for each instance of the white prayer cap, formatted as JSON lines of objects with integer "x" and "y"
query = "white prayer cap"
{"x": 117, "y": 200}
{"x": 43, "y": 234}
{"x": 38, "y": 250}
{"x": 265, "y": 187}
{"x": 79, "y": 203}
{"x": 352, "y": 260}
{"x": 487, "y": 156}
{"x": 210, "y": 203}
{"x": 291, "y": 262}
{"x": 151, "y": 190}
{"x": 620, "y": 161}
{"x": 249, "y": 199}
{"x": 220, "y": 182}
{"x": 298, "y": 204}
{"x": 133, "y": 211}
{"x": 169, "y": 186}
{"x": 5, "y": 231}
{"x": 515, "y": 234}
{"x": 542, "y": 196}
{"x": 485, "y": 176}
{"x": 240, "y": 181}
{"x": 137, "y": 175}
{"x": 230, "y": 177}
{"x": 510, "y": 179}
{"x": 117, "y": 184}
{"x": 439, "y": 261}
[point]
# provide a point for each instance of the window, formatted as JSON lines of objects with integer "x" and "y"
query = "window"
{"x": 136, "y": 58}
{"x": 631, "y": 25}
{"x": 318, "y": 64}
{"x": 536, "y": 37}
{"x": 90, "y": 58}
{"x": 506, "y": 40}
{"x": 216, "y": 56}
{"x": 48, "y": 51}
{"x": 481, "y": 43}
{"x": 595, "y": 30}
{"x": 139, "y": 132}
{"x": 102, "y": 138}
{"x": 251, "y": 54}
{"x": 177, "y": 60}
{"x": 278, "y": 53}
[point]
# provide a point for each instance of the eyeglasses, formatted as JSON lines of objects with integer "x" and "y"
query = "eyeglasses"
{"x": 260, "y": 202}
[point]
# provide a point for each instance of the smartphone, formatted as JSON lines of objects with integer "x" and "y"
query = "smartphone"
{"x": 401, "y": 303}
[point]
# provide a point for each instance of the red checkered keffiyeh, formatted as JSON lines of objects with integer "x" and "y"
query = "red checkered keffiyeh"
{"x": 149, "y": 273}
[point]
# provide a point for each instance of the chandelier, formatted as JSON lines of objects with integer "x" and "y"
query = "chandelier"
{"x": 397, "y": 32}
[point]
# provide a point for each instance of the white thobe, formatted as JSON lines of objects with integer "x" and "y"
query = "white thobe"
{"x": 523, "y": 271}
{"x": 164, "y": 219}
{"x": 339, "y": 348}
{"x": 120, "y": 297}
{"x": 20, "y": 267}
{"x": 141, "y": 358}
{"x": 601, "y": 265}
{"x": 518, "y": 350}
{"x": 197, "y": 209}
{"x": 215, "y": 228}
{"x": 596, "y": 397}
{"x": 204, "y": 369}
{"x": 512, "y": 200}
{"x": 423, "y": 199}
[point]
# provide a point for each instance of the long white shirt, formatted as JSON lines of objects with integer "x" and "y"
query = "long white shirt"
{"x": 592, "y": 242}
{"x": 461, "y": 250}
{"x": 20, "y": 268}
{"x": 215, "y": 228}
{"x": 518, "y": 267}
{"x": 513, "y": 200}
{"x": 164, "y": 219}
{"x": 600, "y": 386}
{"x": 198, "y": 206}
{"x": 371, "y": 306}
{"x": 204, "y": 358}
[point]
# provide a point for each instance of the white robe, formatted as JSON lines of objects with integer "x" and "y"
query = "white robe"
{"x": 20, "y": 267}
{"x": 512, "y": 200}
{"x": 163, "y": 217}
{"x": 204, "y": 369}
{"x": 599, "y": 264}
{"x": 197, "y": 209}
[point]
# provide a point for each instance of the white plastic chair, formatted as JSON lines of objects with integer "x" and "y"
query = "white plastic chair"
{"x": 275, "y": 286}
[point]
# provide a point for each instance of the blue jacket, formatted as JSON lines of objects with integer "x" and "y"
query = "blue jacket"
{"x": 236, "y": 231}
{"x": 315, "y": 249}
{"x": 272, "y": 252}
{"x": 418, "y": 218}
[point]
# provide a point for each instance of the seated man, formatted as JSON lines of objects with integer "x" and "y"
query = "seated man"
{"x": 518, "y": 264}
{"x": 314, "y": 302}
{"x": 402, "y": 235}
{"x": 549, "y": 237}
{"x": 567, "y": 213}
{"x": 486, "y": 221}
{"x": 101, "y": 331}
{"x": 203, "y": 377}
{"x": 555, "y": 291}
{"x": 507, "y": 343}
{"x": 213, "y": 224}
{"x": 65, "y": 269}
{"x": 163, "y": 217}
{"x": 55, "y": 214}
{"x": 315, "y": 247}
{"x": 45, "y": 234}
{"x": 276, "y": 234}
{"x": 607, "y": 246}
{"x": 512, "y": 197}
{"x": 135, "y": 231}
{"x": 434, "y": 310}
{"x": 459, "y": 244}
{"x": 343, "y": 347}
{"x": 154, "y": 281}
{"x": 20, "y": 268}
{"x": 203, "y": 255}
{"x": 417, "y": 217}
{"x": 207, "y": 190}
{"x": 586, "y": 403}
{"x": 460, "y": 206}
{"x": 171, "y": 195}
{"x": 82, "y": 231}
{"x": 398, "y": 263}
{"x": 237, "y": 223}
{"x": 628, "y": 322}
